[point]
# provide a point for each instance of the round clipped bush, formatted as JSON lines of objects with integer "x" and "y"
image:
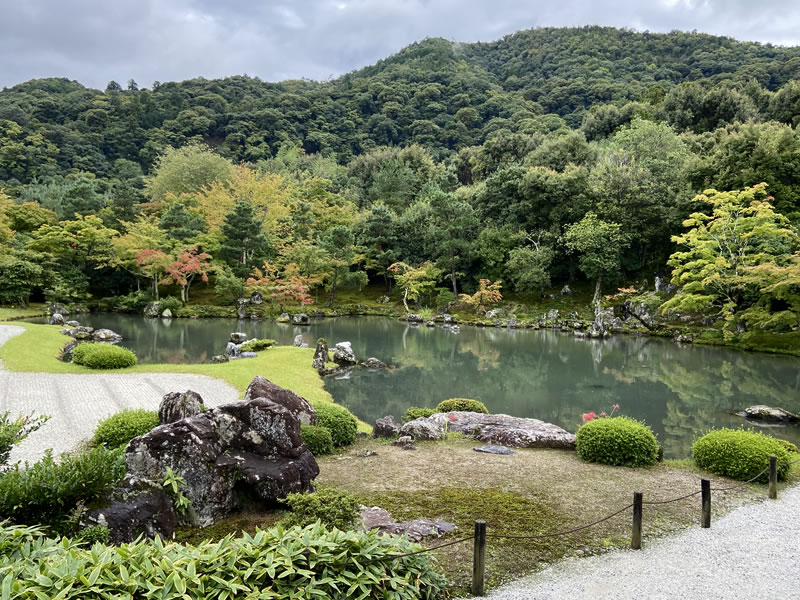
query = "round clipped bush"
{"x": 120, "y": 428}
{"x": 318, "y": 439}
{"x": 790, "y": 447}
{"x": 339, "y": 421}
{"x": 619, "y": 441}
{"x": 740, "y": 454}
{"x": 417, "y": 413}
{"x": 258, "y": 345}
{"x": 462, "y": 404}
{"x": 103, "y": 356}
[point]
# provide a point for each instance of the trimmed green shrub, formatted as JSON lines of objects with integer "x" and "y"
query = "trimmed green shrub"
{"x": 103, "y": 356}
{"x": 330, "y": 507}
{"x": 620, "y": 441}
{"x": 740, "y": 454}
{"x": 171, "y": 303}
{"x": 417, "y": 413}
{"x": 275, "y": 563}
{"x": 318, "y": 439}
{"x": 341, "y": 423}
{"x": 49, "y": 492}
{"x": 94, "y": 534}
{"x": 790, "y": 447}
{"x": 462, "y": 404}
{"x": 120, "y": 428}
{"x": 257, "y": 345}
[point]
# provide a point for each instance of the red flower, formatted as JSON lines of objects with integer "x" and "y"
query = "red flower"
{"x": 590, "y": 416}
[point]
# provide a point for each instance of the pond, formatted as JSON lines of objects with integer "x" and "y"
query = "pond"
{"x": 680, "y": 391}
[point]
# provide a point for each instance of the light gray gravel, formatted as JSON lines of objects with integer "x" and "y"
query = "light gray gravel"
{"x": 752, "y": 553}
{"x": 77, "y": 402}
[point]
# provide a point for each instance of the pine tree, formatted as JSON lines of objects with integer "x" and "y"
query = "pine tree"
{"x": 243, "y": 243}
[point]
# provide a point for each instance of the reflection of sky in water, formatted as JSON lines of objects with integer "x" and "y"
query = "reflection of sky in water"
{"x": 681, "y": 391}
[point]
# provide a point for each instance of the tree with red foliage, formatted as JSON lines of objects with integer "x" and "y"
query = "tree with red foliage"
{"x": 188, "y": 265}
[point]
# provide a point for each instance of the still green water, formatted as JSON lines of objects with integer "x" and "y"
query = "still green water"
{"x": 680, "y": 391}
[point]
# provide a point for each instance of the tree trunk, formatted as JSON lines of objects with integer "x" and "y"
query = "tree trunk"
{"x": 598, "y": 287}
{"x": 405, "y": 297}
{"x": 333, "y": 289}
{"x": 453, "y": 277}
{"x": 388, "y": 283}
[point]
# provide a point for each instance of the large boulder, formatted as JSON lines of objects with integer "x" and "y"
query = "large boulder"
{"x": 233, "y": 350}
{"x": 106, "y": 336}
{"x": 65, "y": 354}
{"x": 256, "y": 298}
{"x": 249, "y": 451}
{"x": 238, "y": 337}
{"x": 374, "y": 363}
{"x": 300, "y": 319}
{"x": 57, "y": 309}
{"x": 167, "y": 314}
{"x": 81, "y": 332}
{"x": 343, "y": 354}
{"x": 179, "y": 405}
{"x": 498, "y": 429}
{"x": 301, "y": 409}
{"x": 298, "y": 341}
{"x": 386, "y": 427}
{"x": 56, "y": 319}
{"x": 153, "y": 309}
{"x": 320, "y": 354}
{"x": 767, "y": 414}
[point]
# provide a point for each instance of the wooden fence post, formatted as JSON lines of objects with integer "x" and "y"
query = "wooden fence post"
{"x": 636, "y": 535}
{"x": 705, "y": 487}
{"x": 479, "y": 558}
{"x": 773, "y": 477}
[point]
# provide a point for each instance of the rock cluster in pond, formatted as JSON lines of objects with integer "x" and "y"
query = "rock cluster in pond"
{"x": 378, "y": 519}
{"x": 499, "y": 429}
{"x": 343, "y": 354}
{"x": 179, "y": 405}
{"x": 233, "y": 350}
{"x": 374, "y": 363}
{"x": 320, "y": 354}
{"x": 244, "y": 452}
{"x": 56, "y": 319}
{"x": 768, "y": 414}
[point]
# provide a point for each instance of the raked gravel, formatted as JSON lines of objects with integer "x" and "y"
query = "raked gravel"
{"x": 76, "y": 403}
{"x": 753, "y": 553}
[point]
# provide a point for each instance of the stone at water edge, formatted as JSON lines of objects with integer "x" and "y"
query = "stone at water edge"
{"x": 343, "y": 354}
{"x": 179, "y": 405}
{"x": 57, "y": 308}
{"x": 56, "y": 319}
{"x": 233, "y": 350}
{"x": 301, "y": 409}
{"x": 386, "y": 427}
{"x": 81, "y": 332}
{"x": 256, "y": 298}
{"x": 152, "y": 309}
{"x": 298, "y": 341}
{"x": 65, "y": 354}
{"x": 219, "y": 358}
{"x": 167, "y": 314}
{"x": 504, "y": 450}
{"x": 300, "y": 319}
{"x": 320, "y": 355}
{"x": 761, "y": 412}
{"x": 106, "y": 336}
{"x": 247, "y": 355}
{"x": 238, "y": 337}
{"x": 73, "y": 324}
{"x": 374, "y": 363}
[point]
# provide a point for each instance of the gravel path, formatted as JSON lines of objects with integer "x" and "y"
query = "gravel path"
{"x": 753, "y": 552}
{"x": 77, "y": 402}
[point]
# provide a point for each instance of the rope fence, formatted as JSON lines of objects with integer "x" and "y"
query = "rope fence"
{"x": 480, "y": 535}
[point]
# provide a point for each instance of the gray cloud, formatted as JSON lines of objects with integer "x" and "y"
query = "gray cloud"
{"x": 96, "y": 41}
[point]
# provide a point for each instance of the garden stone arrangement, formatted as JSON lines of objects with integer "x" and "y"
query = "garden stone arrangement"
{"x": 244, "y": 451}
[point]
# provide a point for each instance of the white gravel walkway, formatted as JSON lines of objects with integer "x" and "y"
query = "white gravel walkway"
{"x": 752, "y": 553}
{"x": 77, "y": 402}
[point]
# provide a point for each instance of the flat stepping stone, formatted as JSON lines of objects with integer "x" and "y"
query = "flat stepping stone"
{"x": 494, "y": 450}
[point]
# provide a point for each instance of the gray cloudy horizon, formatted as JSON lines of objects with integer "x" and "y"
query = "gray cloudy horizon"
{"x": 95, "y": 42}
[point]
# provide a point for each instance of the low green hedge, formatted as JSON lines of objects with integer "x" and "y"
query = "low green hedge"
{"x": 103, "y": 356}
{"x": 303, "y": 563}
{"x": 48, "y": 492}
{"x": 619, "y": 441}
{"x": 318, "y": 439}
{"x": 257, "y": 345}
{"x": 341, "y": 423}
{"x": 328, "y": 506}
{"x": 740, "y": 454}
{"x": 120, "y": 428}
{"x": 462, "y": 404}
{"x": 417, "y": 413}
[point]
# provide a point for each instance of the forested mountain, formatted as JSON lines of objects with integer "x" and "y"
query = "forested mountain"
{"x": 545, "y": 156}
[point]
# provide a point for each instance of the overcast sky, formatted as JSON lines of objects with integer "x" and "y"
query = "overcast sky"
{"x": 95, "y": 41}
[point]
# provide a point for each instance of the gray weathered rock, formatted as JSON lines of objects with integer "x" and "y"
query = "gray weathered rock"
{"x": 405, "y": 442}
{"x": 283, "y": 318}
{"x": 298, "y": 341}
{"x": 247, "y": 355}
{"x": 603, "y": 323}
{"x": 381, "y": 520}
{"x": 238, "y": 337}
{"x": 106, "y": 336}
{"x": 413, "y": 318}
{"x": 167, "y": 314}
{"x": 447, "y": 318}
{"x": 552, "y": 315}
{"x": 219, "y": 358}
{"x": 299, "y": 407}
{"x": 386, "y": 427}
{"x": 233, "y": 350}
{"x": 495, "y": 313}
{"x": 566, "y": 290}
{"x": 343, "y": 354}
{"x": 57, "y": 309}
{"x": 256, "y": 298}
{"x": 73, "y": 324}
{"x": 245, "y": 450}
{"x": 179, "y": 405}
{"x": 56, "y": 319}
{"x": 374, "y": 363}
{"x": 320, "y": 354}
{"x": 761, "y": 412}
{"x": 81, "y": 332}
{"x": 505, "y": 430}
{"x": 640, "y": 312}
{"x": 65, "y": 354}
{"x": 300, "y": 319}
{"x": 152, "y": 309}
{"x": 504, "y": 450}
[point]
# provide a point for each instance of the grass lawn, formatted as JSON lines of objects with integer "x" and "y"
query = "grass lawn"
{"x": 287, "y": 366}
{"x": 8, "y": 313}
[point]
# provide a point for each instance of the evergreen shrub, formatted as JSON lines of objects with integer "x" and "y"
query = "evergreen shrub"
{"x": 318, "y": 439}
{"x": 415, "y": 412}
{"x": 257, "y": 345}
{"x": 740, "y": 454}
{"x": 619, "y": 441}
{"x": 332, "y": 508}
{"x": 120, "y": 428}
{"x": 103, "y": 356}
{"x": 462, "y": 404}
{"x": 341, "y": 423}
